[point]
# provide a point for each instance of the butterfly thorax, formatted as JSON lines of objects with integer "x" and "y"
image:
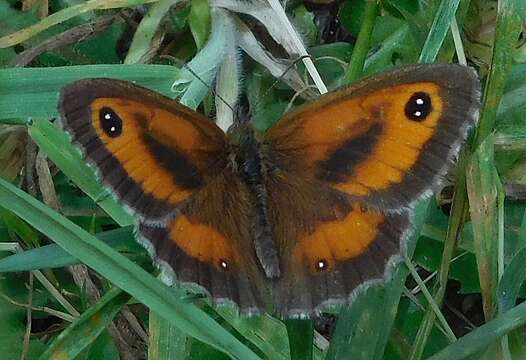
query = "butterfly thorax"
{"x": 248, "y": 160}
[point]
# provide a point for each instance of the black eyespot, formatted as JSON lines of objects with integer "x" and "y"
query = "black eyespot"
{"x": 224, "y": 265}
{"x": 110, "y": 122}
{"x": 322, "y": 265}
{"x": 419, "y": 106}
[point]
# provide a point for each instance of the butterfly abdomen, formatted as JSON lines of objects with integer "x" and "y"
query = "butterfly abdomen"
{"x": 251, "y": 167}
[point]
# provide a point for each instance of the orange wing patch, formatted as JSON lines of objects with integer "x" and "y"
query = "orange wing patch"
{"x": 360, "y": 144}
{"x": 203, "y": 242}
{"x": 401, "y": 142}
{"x": 145, "y": 127}
{"x": 338, "y": 240}
{"x": 151, "y": 151}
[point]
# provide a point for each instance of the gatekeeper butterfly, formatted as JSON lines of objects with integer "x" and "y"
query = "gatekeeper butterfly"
{"x": 299, "y": 216}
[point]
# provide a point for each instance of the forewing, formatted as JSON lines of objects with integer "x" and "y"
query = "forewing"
{"x": 151, "y": 151}
{"x": 384, "y": 141}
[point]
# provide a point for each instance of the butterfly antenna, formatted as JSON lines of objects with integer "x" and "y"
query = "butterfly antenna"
{"x": 265, "y": 94}
{"x": 212, "y": 90}
{"x": 278, "y": 79}
{"x": 184, "y": 65}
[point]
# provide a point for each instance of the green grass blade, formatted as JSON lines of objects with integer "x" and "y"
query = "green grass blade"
{"x": 122, "y": 272}
{"x": 28, "y": 236}
{"x": 57, "y": 146}
{"x": 166, "y": 342}
{"x": 301, "y": 333}
{"x": 456, "y": 221}
{"x": 84, "y": 330}
{"x": 33, "y": 92}
{"x": 381, "y": 58}
{"x": 199, "y": 21}
{"x": 53, "y": 256}
{"x": 363, "y": 43}
{"x": 143, "y": 38}
{"x": 510, "y": 21}
{"x": 268, "y": 334}
{"x": 431, "y": 302}
{"x": 483, "y": 186}
{"x": 481, "y": 337}
{"x": 439, "y": 28}
{"x": 511, "y": 282}
{"x": 64, "y": 15}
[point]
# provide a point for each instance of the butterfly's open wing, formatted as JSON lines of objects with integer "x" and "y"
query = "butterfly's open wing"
{"x": 168, "y": 164}
{"x": 347, "y": 169}
{"x": 385, "y": 141}
{"x": 153, "y": 152}
{"x": 328, "y": 244}
{"x": 209, "y": 243}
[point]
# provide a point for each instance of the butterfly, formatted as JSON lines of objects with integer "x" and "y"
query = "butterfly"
{"x": 292, "y": 219}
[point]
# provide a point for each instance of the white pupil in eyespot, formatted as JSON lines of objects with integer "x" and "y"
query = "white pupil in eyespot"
{"x": 321, "y": 264}
{"x": 419, "y": 101}
{"x": 224, "y": 265}
{"x": 112, "y": 129}
{"x": 418, "y": 113}
{"x": 107, "y": 116}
